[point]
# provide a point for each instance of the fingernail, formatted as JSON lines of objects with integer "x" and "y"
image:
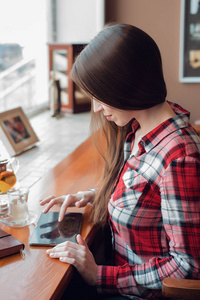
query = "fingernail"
{"x": 48, "y": 251}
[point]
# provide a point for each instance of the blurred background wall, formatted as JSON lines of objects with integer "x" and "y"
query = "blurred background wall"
{"x": 161, "y": 20}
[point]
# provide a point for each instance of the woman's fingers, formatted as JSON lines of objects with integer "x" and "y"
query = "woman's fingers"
{"x": 46, "y": 200}
{"x": 63, "y": 201}
{"x": 69, "y": 200}
{"x": 67, "y": 250}
{"x": 64, "y": 247}
{"x": 80, "y": 199}
{"x": 79, "y": 256}
{"x": 51, "y": 201}
{"x": 84, "y": 198}
{"x": 81, "y": 241}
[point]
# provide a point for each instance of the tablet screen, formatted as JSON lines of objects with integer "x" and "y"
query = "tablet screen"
{"x": 50, "y": 232}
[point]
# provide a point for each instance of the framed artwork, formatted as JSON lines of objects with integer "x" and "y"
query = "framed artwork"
{"x": 190, "y": 41}
{"x": 16, "y": 132}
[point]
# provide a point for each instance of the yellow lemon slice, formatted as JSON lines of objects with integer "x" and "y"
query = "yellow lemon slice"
{"x": 4, "y": 187}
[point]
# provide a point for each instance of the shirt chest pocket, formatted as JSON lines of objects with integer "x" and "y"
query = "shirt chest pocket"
{"x": 133, "y": 180}
{"x": 130, "y": 191}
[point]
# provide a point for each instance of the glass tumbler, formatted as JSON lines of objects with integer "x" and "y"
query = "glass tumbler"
{"x": 18, "y": 205}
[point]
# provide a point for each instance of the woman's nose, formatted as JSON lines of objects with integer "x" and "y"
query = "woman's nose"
{"x": 97, "y": 106}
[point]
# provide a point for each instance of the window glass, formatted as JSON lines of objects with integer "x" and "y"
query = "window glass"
{"x": 23, "y": 54}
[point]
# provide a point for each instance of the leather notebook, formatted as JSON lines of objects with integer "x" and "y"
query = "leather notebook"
{"x": 8, "y": 244}
{"x": 50, "y": 232}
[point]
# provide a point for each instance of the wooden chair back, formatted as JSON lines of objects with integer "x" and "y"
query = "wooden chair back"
{"x": 181, "y": 288}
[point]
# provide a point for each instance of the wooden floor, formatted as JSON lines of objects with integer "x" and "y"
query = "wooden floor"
{"x": 58, "y": 136}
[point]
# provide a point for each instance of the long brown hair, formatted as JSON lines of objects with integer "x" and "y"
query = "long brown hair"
{"x": 121, "y": 67}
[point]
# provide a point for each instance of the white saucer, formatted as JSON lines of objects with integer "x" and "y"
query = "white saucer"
{"x": 7, "y": 221}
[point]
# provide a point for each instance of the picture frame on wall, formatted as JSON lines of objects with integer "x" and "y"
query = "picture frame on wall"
{"x": 16, "y": 133}
{"x": 190, "y": 41}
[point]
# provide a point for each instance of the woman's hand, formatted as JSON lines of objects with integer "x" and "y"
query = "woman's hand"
{"x": 80, "y": 199}
{"x": 77, "y": 255}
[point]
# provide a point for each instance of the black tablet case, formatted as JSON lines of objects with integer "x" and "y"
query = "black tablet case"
{"x": 50, "y": 232}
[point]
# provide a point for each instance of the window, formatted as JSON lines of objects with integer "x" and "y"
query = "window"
{"x": 23, "y": 55}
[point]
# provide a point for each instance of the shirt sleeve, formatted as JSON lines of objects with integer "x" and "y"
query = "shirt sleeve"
{"x": 180, "y": 207}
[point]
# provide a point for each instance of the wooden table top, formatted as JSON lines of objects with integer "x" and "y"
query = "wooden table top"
{"x": 38, "y": 276}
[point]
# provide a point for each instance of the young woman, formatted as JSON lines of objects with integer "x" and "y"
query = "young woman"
{"x": 150, "y": 188}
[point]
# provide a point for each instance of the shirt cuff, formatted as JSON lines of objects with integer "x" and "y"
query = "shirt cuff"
{"x": 107, "y": 279}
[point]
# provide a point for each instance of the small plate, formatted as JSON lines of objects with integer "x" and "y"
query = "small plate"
{"x": 6, "y": 220}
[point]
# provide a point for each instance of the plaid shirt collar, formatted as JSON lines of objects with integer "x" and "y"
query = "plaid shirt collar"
{"x": 151, "y": 139}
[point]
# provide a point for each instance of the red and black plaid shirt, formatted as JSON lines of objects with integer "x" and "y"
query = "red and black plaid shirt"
{"x": 155, "y": 211}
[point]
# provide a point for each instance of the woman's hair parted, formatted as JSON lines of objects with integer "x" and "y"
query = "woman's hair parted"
{"x": 121, "y": 67}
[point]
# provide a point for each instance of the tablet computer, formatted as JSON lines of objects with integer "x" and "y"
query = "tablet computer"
{"x": 50, "y": 232}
